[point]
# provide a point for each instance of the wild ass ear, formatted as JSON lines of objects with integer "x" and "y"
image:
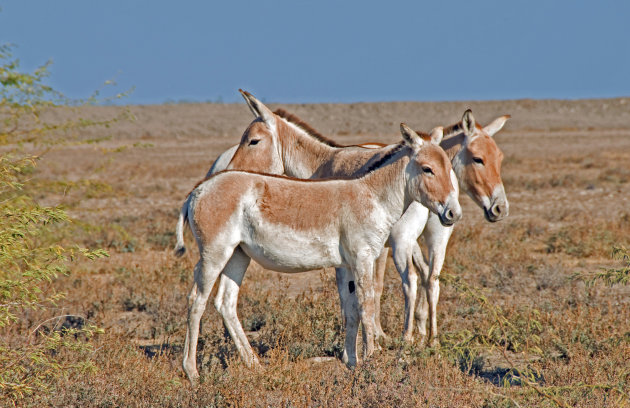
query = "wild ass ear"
{"x": 411, "y": 138}
{"x": 258, "y": 108}
{"x": 436, "y": 135}
{"x": 468, "y": 123}
{"x": 496, "y": 125}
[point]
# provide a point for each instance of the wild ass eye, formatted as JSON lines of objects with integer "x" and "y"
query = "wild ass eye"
{"x": 254, "y": 142}
{"x": 427, "y": 170}
{"x": 478, "y": 160}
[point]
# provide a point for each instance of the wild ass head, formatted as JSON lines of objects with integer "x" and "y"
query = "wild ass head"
{"x": 432, "y": 180}
{"x": 478, "y": 166}
{"x": 274, "y": 143}
{"x": 259, "y": 149}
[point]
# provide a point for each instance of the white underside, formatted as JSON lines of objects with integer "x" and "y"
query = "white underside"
{"x": 282, "y": 249}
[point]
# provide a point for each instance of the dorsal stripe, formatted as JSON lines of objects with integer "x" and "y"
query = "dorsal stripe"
{"x": 453, "y": 130}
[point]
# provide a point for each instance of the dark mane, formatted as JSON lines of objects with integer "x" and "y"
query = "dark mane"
{"x": 453, "y": 130}
{"x": 306, "y": 127}
{"x": 380, "y": 162}
{"x": 280, "y": 176}
{"x": 457, "y": 129}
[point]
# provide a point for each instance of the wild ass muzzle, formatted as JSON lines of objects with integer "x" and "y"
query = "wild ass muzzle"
{"x": 292, "y": 225}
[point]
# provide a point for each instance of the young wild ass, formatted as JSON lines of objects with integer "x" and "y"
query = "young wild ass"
{"x": 281, "y": 143}
{"x": 293, "y": 225}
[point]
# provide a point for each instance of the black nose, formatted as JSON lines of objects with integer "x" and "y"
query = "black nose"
{"x": 447, "y": 218}
{"x": 496, "y": 210}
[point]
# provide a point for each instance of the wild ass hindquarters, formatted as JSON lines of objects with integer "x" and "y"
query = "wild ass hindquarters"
{"x": 211, "y": 264}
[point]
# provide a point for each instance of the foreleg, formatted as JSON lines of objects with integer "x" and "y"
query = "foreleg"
{"x": 379, "y": 277}
{"x": 436, "y": 237}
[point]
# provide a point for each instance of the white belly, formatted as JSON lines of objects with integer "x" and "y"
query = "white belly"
{"x": 281, "y": 249}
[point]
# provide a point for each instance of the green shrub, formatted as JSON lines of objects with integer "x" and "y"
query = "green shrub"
{"x": 33, "y": 354}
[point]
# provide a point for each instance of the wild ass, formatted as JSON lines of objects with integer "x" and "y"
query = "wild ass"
{"x": 292, "y": 225}
{"x": 281, "y": 143}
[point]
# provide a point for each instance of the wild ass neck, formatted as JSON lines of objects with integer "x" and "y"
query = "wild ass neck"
{"x": 453, "y": 145}
{"x": 301, "y": 154}
{"x": 392, "y": 184}
{"x": 305, "y": 156}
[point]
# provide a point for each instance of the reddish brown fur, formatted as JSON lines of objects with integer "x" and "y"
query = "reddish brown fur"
{"x": 256, "y": 130}
{"x": 299, "y": 205}
{"x": 210, "y": 215}
{"x": 296, "y": 203}
{"x": 437, "y": 186}
{"x": 483, "y": 179}
{"x": 480, "y": 180}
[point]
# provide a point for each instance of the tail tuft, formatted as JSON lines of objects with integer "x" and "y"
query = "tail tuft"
{"x": 180, "y": 246}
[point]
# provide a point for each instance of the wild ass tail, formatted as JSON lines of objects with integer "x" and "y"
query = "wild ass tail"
{"x": 180, "y": 246}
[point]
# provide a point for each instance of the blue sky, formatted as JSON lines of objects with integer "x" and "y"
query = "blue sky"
{"x": 326, "y": 51}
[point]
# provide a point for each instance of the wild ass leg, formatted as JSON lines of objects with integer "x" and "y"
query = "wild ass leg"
{"x": 226, "y": 304}
{"x": 363, "y": 277}
{"x": 346, "y": 287}
{"x": 191, "y": 297}
{"x": 403, "y": 239}
{"x": 436, "y": 236}
{"x": 422, "y": 305}
{"x": 343, "y": 279}
{"x": 379, "y": 277}
{"x": 206, "y": 272}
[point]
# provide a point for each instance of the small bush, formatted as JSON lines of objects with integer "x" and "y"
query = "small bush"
{"x": 32, "y": 255}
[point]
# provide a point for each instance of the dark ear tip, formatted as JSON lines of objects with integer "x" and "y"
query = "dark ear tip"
{"x": 468, "y": 118}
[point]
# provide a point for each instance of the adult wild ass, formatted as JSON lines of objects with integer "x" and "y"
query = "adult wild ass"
{"x": 292, "y": 225}
{"x": 281, "y": 143}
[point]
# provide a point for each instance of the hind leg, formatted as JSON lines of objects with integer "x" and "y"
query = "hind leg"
{"x": 422, "y": 305}
{"x": 363, "y": 276}
{"x": 226, "y": 304}
{"x": 379, "y": 278}
{"x": 206, "y": 272}
{"x": 343, "y": 279}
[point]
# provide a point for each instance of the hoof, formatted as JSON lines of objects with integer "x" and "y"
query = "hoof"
{"x": 194, "y": 379}
{"x": 348, "y": 362}
{"x": 409, "y": 339}
{"x": 381, "y": 337}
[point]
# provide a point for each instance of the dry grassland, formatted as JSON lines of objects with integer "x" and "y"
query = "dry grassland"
{"x": 516, "y": 329}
